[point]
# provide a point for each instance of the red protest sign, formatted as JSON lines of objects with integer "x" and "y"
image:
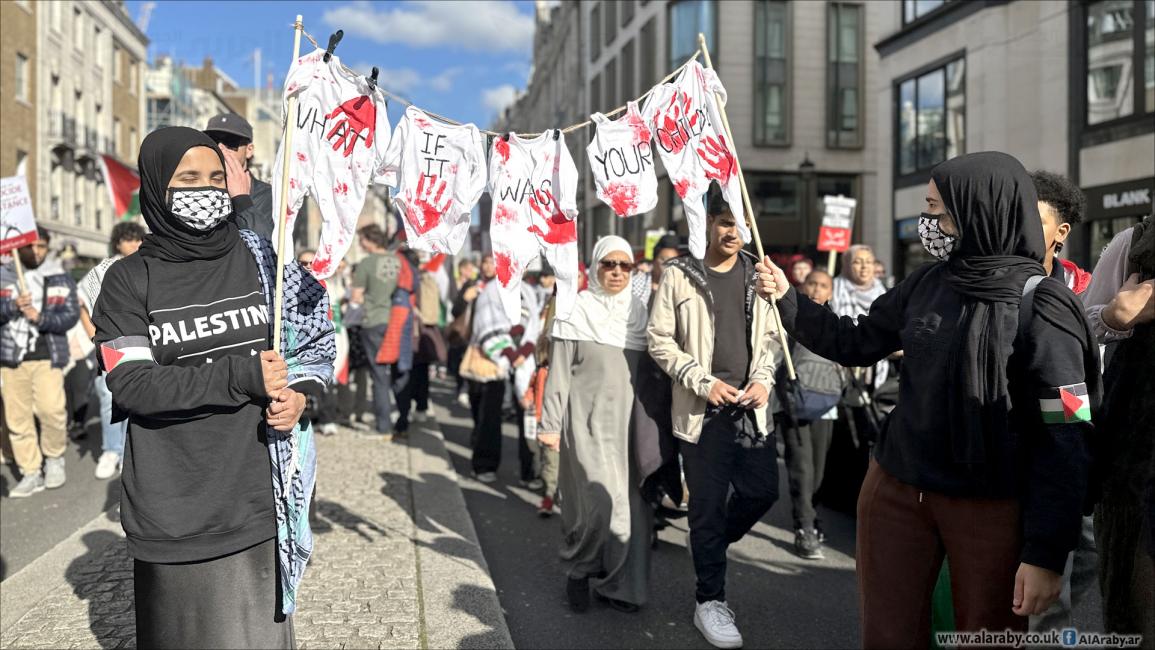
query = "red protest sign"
{"x": 837, "y": 223}
{"x": 833, "y": 239}
{"x": 17, "y": 223}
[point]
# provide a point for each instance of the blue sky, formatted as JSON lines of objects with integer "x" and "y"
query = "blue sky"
{"x": 463, "y": 60}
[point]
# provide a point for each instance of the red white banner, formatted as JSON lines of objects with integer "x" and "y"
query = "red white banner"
{"x": 17, "y": 222}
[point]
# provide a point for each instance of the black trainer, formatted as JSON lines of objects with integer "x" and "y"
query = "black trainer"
{"x": 806, "y": 545}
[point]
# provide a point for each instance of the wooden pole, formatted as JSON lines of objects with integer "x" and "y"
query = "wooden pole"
{"x": 283, "y": 202}
{"x": 830, "y": 261}
{"x": 749, "y": 212}
{"x": 19, "y": 270}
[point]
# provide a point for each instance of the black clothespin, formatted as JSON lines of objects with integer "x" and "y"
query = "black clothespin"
{"x": 506, "y": 136}
{"x": 556, "y": 134}
{"x": 373, "y": 79}
{"x": 333, "y": 40}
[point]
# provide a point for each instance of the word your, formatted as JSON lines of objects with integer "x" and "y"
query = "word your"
{"x": 617, "y": 163}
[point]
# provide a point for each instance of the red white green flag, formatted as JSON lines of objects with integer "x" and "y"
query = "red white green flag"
{"x": 1066, "y": 404}
{"x": 123, "y": 185}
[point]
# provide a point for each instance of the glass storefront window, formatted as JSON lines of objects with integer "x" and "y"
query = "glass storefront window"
{"x": 931, "y": 117}
{"x": 1149, "y": 66}
{"x": 1104, "y": 230}
{"x": 1110, "y": 60}
{"x": 688, "y": 18}
{"x": 906, "y": 139}
{"x": 912, "y": 10}
{"x": 956, "y": 108}
{"x": 843, "y": 74}
{"x": 929, "y": 123}
{"x": 775, "y": 195}
{"x": 771, "y": 95}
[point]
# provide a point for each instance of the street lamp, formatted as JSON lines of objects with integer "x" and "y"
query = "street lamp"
{"x": 806, "y": 197}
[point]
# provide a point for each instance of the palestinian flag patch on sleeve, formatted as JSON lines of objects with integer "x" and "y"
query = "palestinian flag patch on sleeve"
{"x": 1066, "y": 404}
{"x": 124, "y": 350}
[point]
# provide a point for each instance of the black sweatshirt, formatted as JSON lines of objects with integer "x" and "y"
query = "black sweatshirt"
{"x": 197, "y": 478}
{"x": 1044, "y": 465}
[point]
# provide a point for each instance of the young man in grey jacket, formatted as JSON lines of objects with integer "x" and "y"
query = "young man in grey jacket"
{"x": 716, "y": 341}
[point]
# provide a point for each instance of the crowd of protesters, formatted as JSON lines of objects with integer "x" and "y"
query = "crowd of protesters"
{"x": 988, "y": 418}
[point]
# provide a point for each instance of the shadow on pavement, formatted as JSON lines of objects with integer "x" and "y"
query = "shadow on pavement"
{"x": 102, "y": 579}
{"x": 328, "y": 513}
{"x": 449, "y": 542}
{"x": 470, "y": 599}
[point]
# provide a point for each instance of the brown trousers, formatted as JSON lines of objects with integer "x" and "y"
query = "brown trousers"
{"x": 34, "y": 391}
{"x": 903, "y": 534}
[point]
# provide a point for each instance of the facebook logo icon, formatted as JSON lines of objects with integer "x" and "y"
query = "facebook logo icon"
{"x": 1070, "y": 637}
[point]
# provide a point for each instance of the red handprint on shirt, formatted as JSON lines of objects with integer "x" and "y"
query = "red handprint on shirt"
{"x": 673, "y": 135}
{"x": 424, "y": 211}
{"x": 355, "y": 115}
{"x": 721, "y": 166}
{"x": 559, "y": 229}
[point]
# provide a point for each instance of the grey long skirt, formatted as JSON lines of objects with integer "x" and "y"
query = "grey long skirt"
{"x": 226, "y": 602}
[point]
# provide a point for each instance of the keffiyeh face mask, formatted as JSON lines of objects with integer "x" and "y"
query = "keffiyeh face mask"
{"x": 199, "y": 208}
{"x": 934, "y": 240}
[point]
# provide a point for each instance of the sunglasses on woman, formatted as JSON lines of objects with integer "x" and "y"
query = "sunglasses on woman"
{"x": 609, "y": 265}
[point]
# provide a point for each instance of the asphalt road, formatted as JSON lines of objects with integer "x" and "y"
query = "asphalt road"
{"x": 780, "y": 600}
{"x": 31, "y": 526}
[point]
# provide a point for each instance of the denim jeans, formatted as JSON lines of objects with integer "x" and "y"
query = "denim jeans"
{"x": 382, "y": 378}
{"x": 111, "y": 435}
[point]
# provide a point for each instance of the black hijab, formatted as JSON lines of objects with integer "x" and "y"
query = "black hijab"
{"x": 171, "y": 240}
{"x": 993, "y": 201}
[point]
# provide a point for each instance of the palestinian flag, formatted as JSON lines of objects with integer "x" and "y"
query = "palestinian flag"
{"x": 124, "y": 350}
{"x": 1066, "y": 404}
{"x": 123, "y": 187}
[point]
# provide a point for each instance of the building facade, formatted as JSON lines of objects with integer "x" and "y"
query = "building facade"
{"x": 19, "y": 51}
{"x": 91, "y": 101}
{"x": 796, "y": 75}
{"x": 72, "y": 91}
{"x": 1068, "y": 87}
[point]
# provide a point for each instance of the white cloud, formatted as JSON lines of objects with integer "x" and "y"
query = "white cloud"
{"x": 407, "y": 80}
{"x": 480, "y": 25}
{"x": 496, "y": 99}
{"x": 444, "y": 81}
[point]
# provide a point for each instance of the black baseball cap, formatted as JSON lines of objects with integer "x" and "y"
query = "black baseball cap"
{"x": 232, "y": 124}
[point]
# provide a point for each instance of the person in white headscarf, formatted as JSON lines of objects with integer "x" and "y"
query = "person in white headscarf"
{"x": 586, "y": 412}
{"x": 855, "y": 289}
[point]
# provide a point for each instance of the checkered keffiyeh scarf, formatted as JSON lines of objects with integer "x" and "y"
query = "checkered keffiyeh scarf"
{"x": 200, "y": 208}
{"x": 309, "y": 348}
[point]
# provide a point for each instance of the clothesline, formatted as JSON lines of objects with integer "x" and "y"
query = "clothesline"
{"x": 568, "y": 129}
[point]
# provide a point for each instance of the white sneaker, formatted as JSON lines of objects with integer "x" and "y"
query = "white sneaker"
{"x": 108, "y": 465}
{"x": 420, "y": 416}
{"x": 486, "y": 477}
{"x": 716, "y": 622}
{"x": 54, "y": 475}
{"x": 463, "y": 399}
{"x": 29, "y": 485}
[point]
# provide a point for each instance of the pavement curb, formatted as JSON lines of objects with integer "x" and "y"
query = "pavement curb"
{"x": 460, "y": 607}
{"x": 24, "y": 589}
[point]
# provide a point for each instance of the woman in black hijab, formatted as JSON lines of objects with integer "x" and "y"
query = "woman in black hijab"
{"x": 184, "y": 335}
{"x": 985, "y": 459}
